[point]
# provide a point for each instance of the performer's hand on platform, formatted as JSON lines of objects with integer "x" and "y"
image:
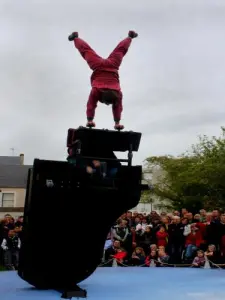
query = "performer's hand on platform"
{"x": 90, "y": 124}
{"x": 132, "y": 34}
{"x": 73, "y": 36}
{"x": 118, "y": 126}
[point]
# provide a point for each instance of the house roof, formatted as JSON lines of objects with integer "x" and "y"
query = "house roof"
{"x": 13, "y": 176}
{"x": 10, "y": 160}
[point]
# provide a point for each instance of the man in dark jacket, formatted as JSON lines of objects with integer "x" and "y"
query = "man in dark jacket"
{"x": 176, "y": 239}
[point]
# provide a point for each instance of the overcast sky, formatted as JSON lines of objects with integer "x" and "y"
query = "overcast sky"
{"x": 173, "y": 77}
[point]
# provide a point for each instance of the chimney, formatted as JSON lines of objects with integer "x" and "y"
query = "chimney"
{"x": 22, "y": 159}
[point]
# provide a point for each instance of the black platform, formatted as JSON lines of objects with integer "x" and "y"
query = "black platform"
{"x": 89, "y": 144}
{"x": 118, "y": 141}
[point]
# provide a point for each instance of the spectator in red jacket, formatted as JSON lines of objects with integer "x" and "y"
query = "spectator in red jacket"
{"x": 120, "y": 255}
{"x": 202, "y": 228}
{"x": 193, "y": 239}
{"x": 162, "y": 237}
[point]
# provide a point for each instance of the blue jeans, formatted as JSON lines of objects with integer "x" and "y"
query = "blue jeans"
{"x": 190, "y": 250}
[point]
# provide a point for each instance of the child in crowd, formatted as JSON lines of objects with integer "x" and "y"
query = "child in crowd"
{"x": 120, "y": 255}
{"x": 151, "y": 259}
{"x": 163, "y": 257}
{"x": 199, "y": 260}
{"x": 11, "y": 245}
{"x": 212, "y": 255}
{"x": 138, "y": 257}
{"x": 153, "y": 247}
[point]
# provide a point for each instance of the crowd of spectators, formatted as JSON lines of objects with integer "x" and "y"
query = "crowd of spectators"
{"x": 10, "y": 241}
{"x": 147, "y": 240}
{"x": 178, "y": 238}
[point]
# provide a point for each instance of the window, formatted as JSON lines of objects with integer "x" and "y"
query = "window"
{"x": 8, "y": 200}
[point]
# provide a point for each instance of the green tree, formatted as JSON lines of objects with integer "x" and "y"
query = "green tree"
{"x": 195, "y": 179}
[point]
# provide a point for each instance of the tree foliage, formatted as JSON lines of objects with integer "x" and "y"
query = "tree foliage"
{"x": 195, "y": 179}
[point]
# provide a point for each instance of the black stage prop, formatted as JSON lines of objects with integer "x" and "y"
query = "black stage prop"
{"x": 68, "y": 213}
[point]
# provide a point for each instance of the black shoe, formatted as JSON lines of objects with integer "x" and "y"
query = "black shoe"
{"x": 73, "y": 36}
{"x": 132, "y": 34}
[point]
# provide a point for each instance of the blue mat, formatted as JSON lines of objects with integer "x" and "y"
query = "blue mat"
{"x": 130, "y": 283}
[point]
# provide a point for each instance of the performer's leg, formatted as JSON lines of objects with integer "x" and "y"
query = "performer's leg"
{"x": 91, "y": 106}
{"x": 116, "y": 57}
{"x": 117, "y": 109}
{"x": 91, "y": 57}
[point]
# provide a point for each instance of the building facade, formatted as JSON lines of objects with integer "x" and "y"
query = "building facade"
{"x": 13, "y": 178}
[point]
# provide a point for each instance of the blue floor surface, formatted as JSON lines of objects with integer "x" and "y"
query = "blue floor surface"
{"x": 130, "y": 283}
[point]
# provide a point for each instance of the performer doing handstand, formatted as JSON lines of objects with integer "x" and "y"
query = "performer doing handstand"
{"x": 105, "y": 77}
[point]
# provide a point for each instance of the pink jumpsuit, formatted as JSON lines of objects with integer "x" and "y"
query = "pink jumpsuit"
{"x": 105, "y": 74}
